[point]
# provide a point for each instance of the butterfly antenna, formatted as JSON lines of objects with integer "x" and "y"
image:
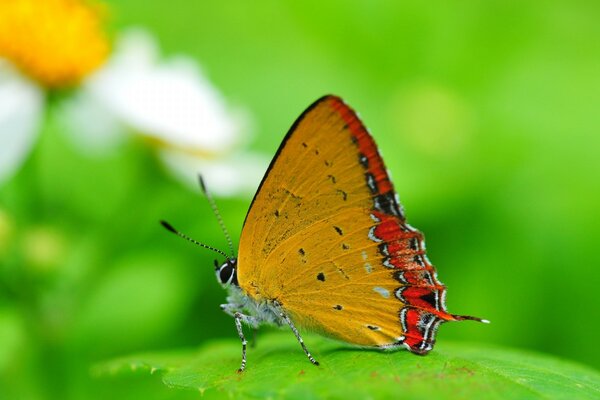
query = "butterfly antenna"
{"x": 213, "y": 205}
{"x": 169, "y": 227}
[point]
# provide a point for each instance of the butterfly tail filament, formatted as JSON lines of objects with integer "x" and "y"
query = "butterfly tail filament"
{"x": 468, "y": 317}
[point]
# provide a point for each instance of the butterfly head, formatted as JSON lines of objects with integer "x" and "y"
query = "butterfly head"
{"x": 227, "y": 272}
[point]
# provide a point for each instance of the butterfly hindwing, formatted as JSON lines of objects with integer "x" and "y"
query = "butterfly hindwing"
{"x": 326, "y": 237}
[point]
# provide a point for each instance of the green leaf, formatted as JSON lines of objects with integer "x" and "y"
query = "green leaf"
{"x": 277, "y": 368}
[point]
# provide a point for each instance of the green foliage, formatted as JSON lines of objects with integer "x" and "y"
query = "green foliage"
{"x": 486, "y": 113}
{"x": 278, "y": 368}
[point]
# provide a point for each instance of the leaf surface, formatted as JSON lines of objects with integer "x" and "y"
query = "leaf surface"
{"x": 277, "y": 367}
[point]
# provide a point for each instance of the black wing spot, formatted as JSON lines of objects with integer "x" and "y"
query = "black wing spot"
{"x": 304, "y": 145}
{"x": 338, "y": 230}
{"x": 430, "y": 298}
{"x": 338, "y": 307}
{"x": 276, "y": 213}
{"x": 399, "y": 276}
{"x": 344, "y": 194}
{"x": 321, "y": 276}
{"x": 333, "y": 180}
{"x": 345, "y": 246}
{"x": 383, "y": 249}
{"x": 414, "y": 243}
{"x": 316, "y": 152}
{"x": 371, "y": 183}
{"x": 328, "y": 163}
{"x": 386, "y": 202}
{"x": 373, "y": 327}
{"x": 301, "y": 252}
{"x": 419, "y": 260}
{"x": 364, "y": 161}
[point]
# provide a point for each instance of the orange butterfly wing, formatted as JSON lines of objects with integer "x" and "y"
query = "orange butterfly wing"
{"x": 326, "y": 238}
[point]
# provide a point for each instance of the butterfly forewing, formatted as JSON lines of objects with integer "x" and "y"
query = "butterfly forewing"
{"x": 326, "y": 238}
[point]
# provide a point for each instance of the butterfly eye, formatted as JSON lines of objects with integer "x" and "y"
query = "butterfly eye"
{"x": 227, "y": 273}
{"x": 224, "y": 273}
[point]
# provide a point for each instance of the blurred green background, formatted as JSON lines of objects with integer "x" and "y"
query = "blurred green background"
{"x": 486, "y": 114}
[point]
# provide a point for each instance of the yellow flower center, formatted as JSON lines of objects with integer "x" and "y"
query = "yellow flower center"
{"x": 56, "y": 42}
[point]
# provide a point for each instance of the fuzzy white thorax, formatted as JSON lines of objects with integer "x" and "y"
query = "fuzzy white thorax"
{"x": 261, "y": 313}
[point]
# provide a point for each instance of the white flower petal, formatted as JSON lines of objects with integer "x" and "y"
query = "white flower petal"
{"x": 88, "y": 116}
{"x": 21, "y": 110}
{"x": 237, "y": 174}
{"x": 171, "y": 101}
{"x": 92, "y": 128}
{"x": 135, "y": 49}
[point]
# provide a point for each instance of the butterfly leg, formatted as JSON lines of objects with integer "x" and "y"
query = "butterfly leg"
{"x": 230, "y": 308}
{"x": 238, "y": 324}
{"x": 248, "y": 320}
{"x": 297, "y": 334}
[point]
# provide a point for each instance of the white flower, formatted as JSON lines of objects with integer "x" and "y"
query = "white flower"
{"x": 174, "y": 105}
{"x": 238, "y": 172}
{"x": 21, "y": 105}
{"x": 168, "y": 102}
{"x": 171, "y": 101}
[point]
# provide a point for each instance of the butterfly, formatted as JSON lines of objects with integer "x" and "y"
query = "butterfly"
{"x": 325, "y": 245}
